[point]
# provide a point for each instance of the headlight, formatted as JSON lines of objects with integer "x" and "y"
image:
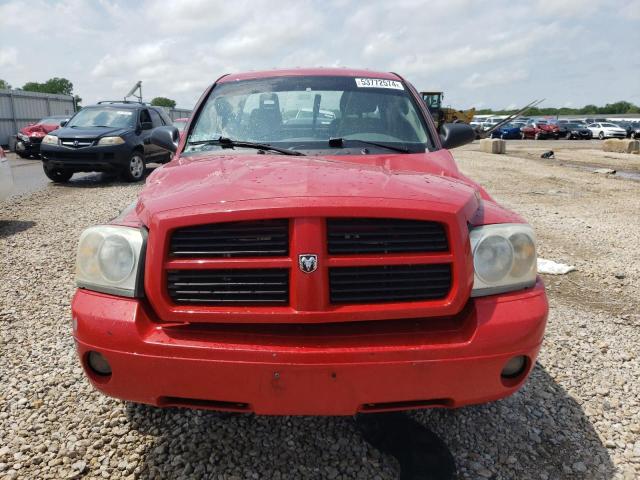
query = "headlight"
{"x": 504, "y": 258}
{"x": 109, "y": 259}
{"x": 50, "y": 140}
{"x": 23, "y": 137}
{"x": 111, "y": 141}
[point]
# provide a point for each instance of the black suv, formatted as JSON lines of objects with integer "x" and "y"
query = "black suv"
{"x": 107, "y": 137}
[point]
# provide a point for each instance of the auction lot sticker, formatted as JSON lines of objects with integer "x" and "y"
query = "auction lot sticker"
{"x": 378, "y": 83}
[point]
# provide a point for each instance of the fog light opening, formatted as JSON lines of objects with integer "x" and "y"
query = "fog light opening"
{"x": 98, "y": 364}
{"x": 514, "y": 368}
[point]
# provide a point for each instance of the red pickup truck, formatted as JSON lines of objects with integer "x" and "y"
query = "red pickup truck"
{"x": 333, "y": 264}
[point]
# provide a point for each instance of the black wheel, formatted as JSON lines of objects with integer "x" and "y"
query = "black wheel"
{"x": 134, "y": 171}
{"x": 57, "y": 175}
{"x": 23, "y": 154}
{"x": 601, "y": 135}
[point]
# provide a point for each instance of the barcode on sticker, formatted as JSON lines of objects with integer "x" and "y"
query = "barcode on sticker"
{"x": 378, "y": 83}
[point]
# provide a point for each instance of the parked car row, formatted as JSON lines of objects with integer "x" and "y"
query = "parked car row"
{"x": 539, "y": 129}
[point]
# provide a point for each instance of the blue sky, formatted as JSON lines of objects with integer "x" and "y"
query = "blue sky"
{"x": 484, "y": 54}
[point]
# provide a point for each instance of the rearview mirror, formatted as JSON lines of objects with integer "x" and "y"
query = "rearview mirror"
{"x": 63, "y": 123}
{"x": 454, "y": 135}
{"x": 146, "y": 125}
{"x": 166, "y": 137}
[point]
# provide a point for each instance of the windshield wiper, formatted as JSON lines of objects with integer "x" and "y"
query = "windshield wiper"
{"x": 225, "y": 142}
{"x": 340, "y": 143}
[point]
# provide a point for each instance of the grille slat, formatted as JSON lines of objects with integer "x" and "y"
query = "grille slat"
{"x": 383, "y": 235}
{"x": 248, "y": 286}
{"x": 398, "y": 270}
{"x": 230, "y": 286}
{"x": 256, "y": 238}
{"x": 389, "y": 283}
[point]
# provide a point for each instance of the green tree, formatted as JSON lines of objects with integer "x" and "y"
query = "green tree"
{"x": 4, "y": 85}
{"x": 61, "y": 86}
{"x": 163, "y": 102}
{"x": 610, "y": 108}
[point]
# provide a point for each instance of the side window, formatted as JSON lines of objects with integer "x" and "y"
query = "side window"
{"x": 144, "y": 116}
{"x": 165, "y": 118}
{"x": 155, "y": 118}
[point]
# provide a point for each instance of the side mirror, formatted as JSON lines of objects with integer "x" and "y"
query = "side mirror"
{"x": 64, "y": 122}
{"x": 166, "y": 137}
{"x": 146, "y": 125}
{"x": 454, "y": 135}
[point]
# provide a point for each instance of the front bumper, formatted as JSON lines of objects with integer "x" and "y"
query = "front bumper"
{"x": 28, "y": 146}
{"x": 313, "y": 369}
{"x": 87, "y": 159}
{"x": 585, "y": 135}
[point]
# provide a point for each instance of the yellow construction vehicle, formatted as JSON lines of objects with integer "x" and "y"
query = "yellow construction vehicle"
{"x": 441, "y": 114}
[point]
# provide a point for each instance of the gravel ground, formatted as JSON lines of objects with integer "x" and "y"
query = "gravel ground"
{"x": 577, "y": 417}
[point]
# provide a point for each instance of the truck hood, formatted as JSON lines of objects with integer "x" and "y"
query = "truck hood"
{"x": 89, "y": 132}
{"x": 224, "y": 179}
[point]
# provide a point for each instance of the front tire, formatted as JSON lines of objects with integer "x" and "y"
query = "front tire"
{"x": 601, "y": 135}
{"x": 57, "y": 175}
{"x": 134, "y": 171}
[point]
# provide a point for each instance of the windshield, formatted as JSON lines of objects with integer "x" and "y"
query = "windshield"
{"x": 303, "y": 113}
{"x": 50, "y": 121}
{"x": 103, "y": 117}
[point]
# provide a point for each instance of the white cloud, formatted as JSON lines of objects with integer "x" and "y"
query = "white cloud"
{"x": 631, "y": 10}
{"x": 498, "y": 53}
{"x": 8, "y": 57}
{"x": 494, "y": 78}
{"x": 148, "y": 56}
{"x": 570, "y": 8}
{"x": 190, "y": 15}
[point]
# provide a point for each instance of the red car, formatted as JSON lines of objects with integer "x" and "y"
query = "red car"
{"x": 311, "y": 268}
{"x": 29, "y": 138}
{"x": 540, "y": 129}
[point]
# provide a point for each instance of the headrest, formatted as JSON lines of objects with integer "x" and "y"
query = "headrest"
{"x": 269, "y": 101}
{"x": 358, "y": 102}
